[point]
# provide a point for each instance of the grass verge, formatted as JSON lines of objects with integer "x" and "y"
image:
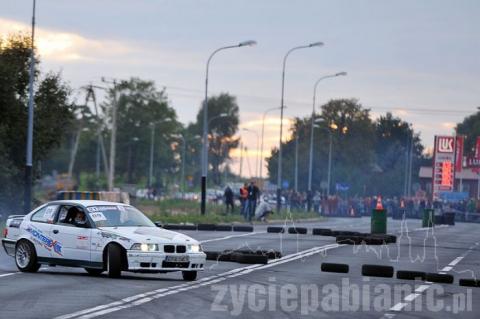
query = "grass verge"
{"x": 174, "y": 211}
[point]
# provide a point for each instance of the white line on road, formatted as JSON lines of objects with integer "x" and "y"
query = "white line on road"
{"x": 231, "y": 236}
{"x": 8, "y": 274}
{"x": 159, "y": 293}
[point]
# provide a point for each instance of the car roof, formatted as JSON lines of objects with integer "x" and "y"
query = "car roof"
{"x": 86, "y": 202}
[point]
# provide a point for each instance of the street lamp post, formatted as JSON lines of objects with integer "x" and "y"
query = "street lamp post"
{"x": 279, "y": 170}
{"x": 29, "y": 151}
{"x": 258, "y": 139}
{"x": 263, "y": 133}
{"x": 182, "y": 173}
{"x": 205, "y": 124}
{"x": 296, "y": 163}
{"x": 310, "y": 160}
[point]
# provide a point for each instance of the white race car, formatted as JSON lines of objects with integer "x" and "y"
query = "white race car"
{"x": 99, "y": 236}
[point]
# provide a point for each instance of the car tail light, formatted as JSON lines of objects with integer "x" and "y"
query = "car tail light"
{"x": 5, "y": 232}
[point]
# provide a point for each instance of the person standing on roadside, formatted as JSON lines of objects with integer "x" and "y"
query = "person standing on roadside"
{"x": 228, "y": 194}
{"x": 243, "y": 199}
{"x": 252, "y": 198}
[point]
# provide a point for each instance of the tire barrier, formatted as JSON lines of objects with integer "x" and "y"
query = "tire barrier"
{"x": 349, "y": 240}
{"x": 223, "y": 227}
{"x": 249, "y": 258}
{"x": 377, "y": 271}
{"x": 469, "y": 282}
{"x": 206, "y": 227}
{"x": 438, "y": 220}
{"x": 322, "y": 231}
{"x": 243, "y": 228}
{"x": 171, "y": 226}
{"x": 439, "y": 278}
{"x": 273, "y": 229}
{"x": 332, "y": 267}
{"x": 297, "y": 230}
{"x": 387, "y": 239}
{"x": 187, "y": 227}
{"x": 411, "y": 275}
{"x": 372, "y": 241}
{"x": 347, "y": 233}
{"x": 271, "y": 254}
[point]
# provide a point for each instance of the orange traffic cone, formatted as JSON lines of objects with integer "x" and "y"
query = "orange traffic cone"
{"x": 379, "y": 203}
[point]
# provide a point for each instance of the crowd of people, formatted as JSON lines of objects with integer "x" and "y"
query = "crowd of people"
{"x": 335, "y": 205}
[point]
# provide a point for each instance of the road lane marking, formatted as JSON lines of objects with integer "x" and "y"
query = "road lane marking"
{"x": 159, "y": 293}
{"x": 8, "y": 274}
{"x": 231, "y": 236}
{"x": 419, "y": 290}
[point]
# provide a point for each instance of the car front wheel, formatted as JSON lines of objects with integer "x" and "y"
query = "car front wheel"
{"x": 189, "y": 275}
{"x": 114, "y": 261}
{"x": 26, "y": 257}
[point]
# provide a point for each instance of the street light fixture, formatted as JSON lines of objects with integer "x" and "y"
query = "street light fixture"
{"x": 205, "y": 123}
{"x": 310, "y": 162}
{"x": 279, "y": 170}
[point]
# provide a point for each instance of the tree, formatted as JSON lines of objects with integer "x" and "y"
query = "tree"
{"x": 470, "y": 127}
{"x": 392, "y": 146}
{"x": 141, "y": 110}
{"x": 53, "y": 116}
{"x": 221, "y": 130}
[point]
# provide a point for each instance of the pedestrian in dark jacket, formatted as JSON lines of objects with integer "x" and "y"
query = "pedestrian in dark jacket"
{"x": 229, "y": 200}
{"x": 252, "y": 199}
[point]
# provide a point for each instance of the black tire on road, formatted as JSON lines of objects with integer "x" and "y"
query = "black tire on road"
{"x": 469, "y": 282}
{"x": 297, "y": 230}
{"x": 189, "y": 275}
{"x": 249, "y": 258}
{"x": 26, "y": 257}
{"x": 411, "y": 275}
{"x": 94, "y": 271}
{"x": 322, "y": 231}
{"x": 245, "y": 228}
{"x": 332, "y": 267}
{"x": 377, "y": 271}
{"x": 439, "y": 278}
{"x": 275, "y": 229}
{"x": 114, "y": 261}
{"x": 223, "y": 227}
{"x": 207, "y": 227}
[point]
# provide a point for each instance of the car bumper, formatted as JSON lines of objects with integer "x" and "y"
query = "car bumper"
{"x": 157, "y": 262}
{"x": 9, "y": 246}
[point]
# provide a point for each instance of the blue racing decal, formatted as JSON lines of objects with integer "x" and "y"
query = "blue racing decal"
{"x": 47, "y": 242}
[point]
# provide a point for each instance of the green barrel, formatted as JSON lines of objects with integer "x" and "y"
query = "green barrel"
{"x": 428, "y": 218}
{"x": 379, "y": 221}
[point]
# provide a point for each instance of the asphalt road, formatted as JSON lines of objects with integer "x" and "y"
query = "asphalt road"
{"x": 290, "y": 287}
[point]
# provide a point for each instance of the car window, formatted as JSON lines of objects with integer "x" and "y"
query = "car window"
{"x": 45, "y": 215}
{"x": 118, "y": 216}
{"x": 68, "y": 219}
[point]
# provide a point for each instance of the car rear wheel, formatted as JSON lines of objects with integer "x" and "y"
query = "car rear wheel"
{"x": 189, "y": 275}
{"x": 94, "y": 271}
{"x": 114, "y": 261}
{"x": 26, "y": 257}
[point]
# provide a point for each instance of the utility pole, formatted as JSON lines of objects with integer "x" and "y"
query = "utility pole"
{"x": 28, "y": 164}
{"x": 241, "y": 159}
{"x": 296, "y": 163}
{"x": 113, "y": 138}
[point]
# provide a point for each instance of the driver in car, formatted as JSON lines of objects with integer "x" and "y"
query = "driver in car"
{"x": 80, "y": 220}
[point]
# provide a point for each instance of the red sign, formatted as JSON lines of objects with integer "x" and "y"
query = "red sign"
{"x": 445, "y": 144}
{"x": 459, "y": 153}
{"x": 477, "y": 148}
{"x": 443, "y": 173}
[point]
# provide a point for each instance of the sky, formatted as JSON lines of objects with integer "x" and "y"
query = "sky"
{"x": 416, "y": 59}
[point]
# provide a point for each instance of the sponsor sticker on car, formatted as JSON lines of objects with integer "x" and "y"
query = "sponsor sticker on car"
{"x": 97, "y": 216}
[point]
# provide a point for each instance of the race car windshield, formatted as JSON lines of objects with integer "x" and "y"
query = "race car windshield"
{"x": 118, "y": 216}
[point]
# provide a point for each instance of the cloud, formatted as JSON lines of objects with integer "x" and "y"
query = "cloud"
{"x": 66, "y": 46}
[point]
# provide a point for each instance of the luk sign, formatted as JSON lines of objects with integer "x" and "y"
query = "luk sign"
{"x": 443, "y": 165}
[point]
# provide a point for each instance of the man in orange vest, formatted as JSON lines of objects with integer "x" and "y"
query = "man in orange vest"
{"x": 243, "y": 197}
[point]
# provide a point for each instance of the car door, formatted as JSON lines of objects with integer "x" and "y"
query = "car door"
{"x": 75, "y": 241}
{"x": 39, "y": 228}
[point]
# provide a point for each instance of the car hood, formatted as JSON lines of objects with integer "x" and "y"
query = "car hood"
{"x": 154, "y": 235}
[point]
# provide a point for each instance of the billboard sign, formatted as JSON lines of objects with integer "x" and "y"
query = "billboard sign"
{"x": 443, "y": 172}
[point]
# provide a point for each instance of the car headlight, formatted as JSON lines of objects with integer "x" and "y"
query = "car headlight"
{"x": 194, "y": 248}
{"x": 144, "y": 247}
